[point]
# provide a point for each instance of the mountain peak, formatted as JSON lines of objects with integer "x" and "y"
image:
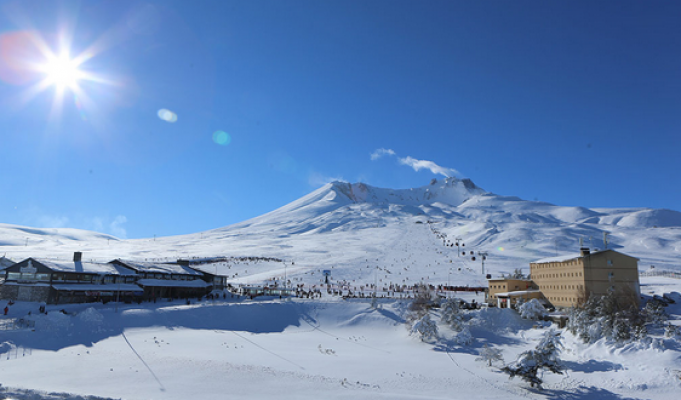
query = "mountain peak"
{"x": 452, "y": 191}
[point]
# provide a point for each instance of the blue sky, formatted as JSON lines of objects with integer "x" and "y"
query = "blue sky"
{"x": 569, "y": 102}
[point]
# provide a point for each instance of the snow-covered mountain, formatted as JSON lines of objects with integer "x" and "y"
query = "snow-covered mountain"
{"x": 406, "y": 233}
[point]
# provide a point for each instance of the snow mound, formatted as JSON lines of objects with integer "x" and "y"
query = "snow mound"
{"x": 91, "y": 316}
{"x": 499, "y": 320}
{"x": 53, "y": 322}
{"x": 6, "y": 347}
{"x": 661, "y": 218}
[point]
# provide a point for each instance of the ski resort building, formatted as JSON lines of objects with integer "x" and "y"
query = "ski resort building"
{"x": 566, "y": 281}
{"x": 56, "y": 282}
{"x": 5, "y": 263}
{"x": 506, "y": 292}
{"x": 165, "y": 280}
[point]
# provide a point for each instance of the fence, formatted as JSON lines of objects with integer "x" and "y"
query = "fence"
{"x": 14, "y": 353}
{"x": 667, "y": 274}
{"x": 16, "y": 324}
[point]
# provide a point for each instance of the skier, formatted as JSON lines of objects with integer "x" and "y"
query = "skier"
{"x": 6, "y": 310}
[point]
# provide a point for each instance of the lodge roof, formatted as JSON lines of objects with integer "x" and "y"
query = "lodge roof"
{"x": 84, "y": 267}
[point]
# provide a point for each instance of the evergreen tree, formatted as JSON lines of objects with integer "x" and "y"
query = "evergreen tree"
{"x": 532, "y": 310}
{"x": 670, "y": 331}
{"x": 489, "y": 355}
{"x": 620, "y": 329}
{"x": 425, "y": 328}
{"x": 545, "y": 356}
{"x": 464, "y": 336}
{"x": 655, "y": 312}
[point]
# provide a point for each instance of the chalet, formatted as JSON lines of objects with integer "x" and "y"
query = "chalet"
{"x": 215, "y": 273}
{"x": 167, "y": 280}
{"x": 5, "y": 262}
{"x": 56, "y": 282}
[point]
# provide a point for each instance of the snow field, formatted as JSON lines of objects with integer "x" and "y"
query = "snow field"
{"x": 326, "y": 348}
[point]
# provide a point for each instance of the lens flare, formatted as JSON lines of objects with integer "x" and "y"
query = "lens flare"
{"x": 500, "y": 248}
{"x": 167, "y": 115}
{"x": 79, "y": 106}
{"x": 222, "y": 138}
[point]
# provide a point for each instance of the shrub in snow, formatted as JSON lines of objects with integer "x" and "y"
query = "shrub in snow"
{"x": 671, "y": 331}
{"x": 450, "y": 310}
{"x": 620, "y": 329}
{"x": 517, "y": 274}
{"x": 612, "y": 316}
{"x": 424, "y": 299}
{"x": 452, "y": 314}
{"x": 91, "y": 315}
{"x": 655, "y": 313}
{"x": 640, "y": 332}
{"x": 464, "y": 336}
{"x": 532, "y": 310}
{"x": 545, "y": 356}
{"x": 425, "y": 328}
{"x": 490, "y": 355}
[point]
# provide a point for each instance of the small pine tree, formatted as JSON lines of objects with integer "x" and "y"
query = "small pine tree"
{"x": 620, "y": 329}
{"x": 450, "y": 311}
{"x": 490, "y": 355}
{"x": 545, "y": 356}
{"x": 425, "y": 328}
{"x": 423, "y": 301}
{"x": 639, "y": 332}
{"x": 670, "y": 331}
{"x": 532, "y": 310}
{"x": 655, "y": 313}
{"x": 464, "y": 336}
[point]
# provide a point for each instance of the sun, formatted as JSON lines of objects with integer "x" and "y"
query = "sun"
{"x": 62, "y": 72}
{"x": 31, "y": 61}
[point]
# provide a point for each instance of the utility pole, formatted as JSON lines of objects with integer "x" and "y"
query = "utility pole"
{"x": 483, "y": 257}
{"x": 457, "y": 240}
{"x": 448, "y": 279}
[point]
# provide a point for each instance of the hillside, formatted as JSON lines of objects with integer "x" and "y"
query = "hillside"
{"x": 407, "y": 234}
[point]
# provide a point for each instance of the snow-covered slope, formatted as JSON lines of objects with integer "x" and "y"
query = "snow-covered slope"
{"x": 407, "y": 234}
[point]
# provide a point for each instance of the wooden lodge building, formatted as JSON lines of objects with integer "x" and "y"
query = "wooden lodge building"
{"x": 166, "y": 280}
{"x": 55, "y": 282}
{"x": 58, "y": 281}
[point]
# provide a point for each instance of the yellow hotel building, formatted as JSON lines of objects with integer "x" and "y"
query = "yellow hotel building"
{"x": 565, "y": 281}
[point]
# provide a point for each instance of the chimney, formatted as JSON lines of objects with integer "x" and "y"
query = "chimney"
{"x": 77, "y": 256}
{"x": 584, "y": 251}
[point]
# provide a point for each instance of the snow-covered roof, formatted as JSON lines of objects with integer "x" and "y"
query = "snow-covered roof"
{"x": 160, "y": 268}
{"x": 5, "y": 262}
{"x": 85, "y": 267}
{"x": 516, "y": 293}
{"x": 37, "y": 284}
{"x": 127, "y": 287}
{"x": 562, "y": 258}
{"x": 571, "y": 256}
{"x": 510, "y": 279}
{"x": 197, "y": 283}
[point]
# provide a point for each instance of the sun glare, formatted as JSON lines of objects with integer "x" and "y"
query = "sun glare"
{"x": 62, "y": 72}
